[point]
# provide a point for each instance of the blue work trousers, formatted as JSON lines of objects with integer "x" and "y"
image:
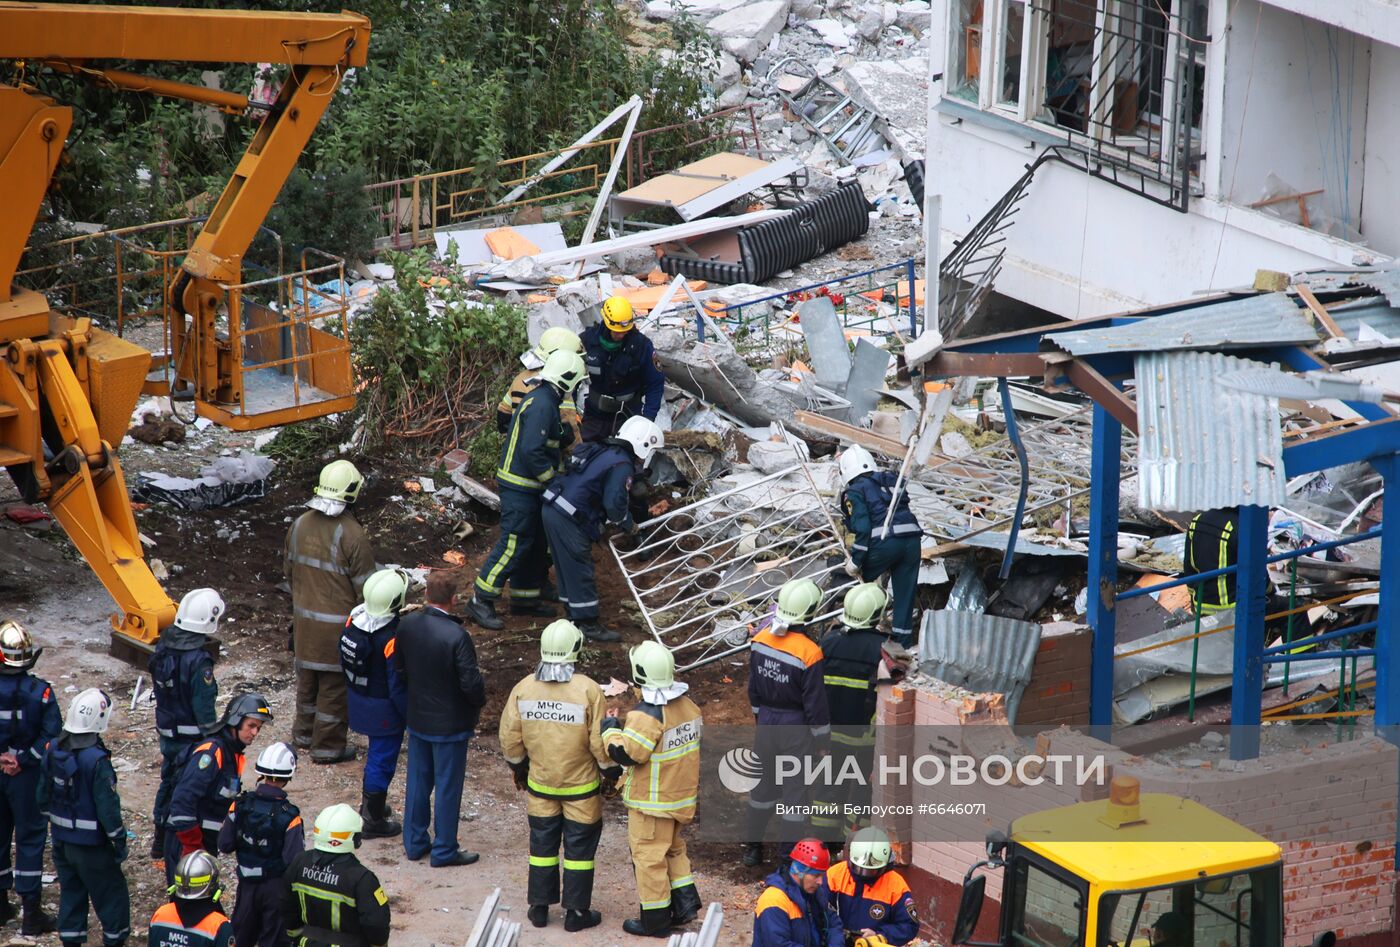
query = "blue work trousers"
{"x": 20, "y": 819}
{"x": 436, "y": 769}
{"x": 257, "y": 914}
{"x": 381, "y": 760}
{"x": 899, "y": 556}
{"x": 572, "y": 550}
{"x": 91, "y": 874}
{"x": 170, "y": 751}
{"x": 520, "y": 555}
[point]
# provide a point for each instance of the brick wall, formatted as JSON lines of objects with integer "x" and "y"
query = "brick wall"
{"x": 1059, "y": 689}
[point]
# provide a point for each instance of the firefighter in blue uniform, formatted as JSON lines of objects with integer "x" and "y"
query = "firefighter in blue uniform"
{"x": 865, "y": 501}
{"x": 623, "y": 380}
{"x": 78, "y": 791}
{"x": 870, "y": 897}
{"x": 28, "y": 721}
{"x": 378, "y": 703}
{"x": 530, "y": 458}
{"x": 210, "y": 776}
{"x": 851, "y": 654}
{"x": 182, "y": 673}
{"x": 597, "y": 486}
{"x": 789, "y": 704}
{"x": 266, "y": 833}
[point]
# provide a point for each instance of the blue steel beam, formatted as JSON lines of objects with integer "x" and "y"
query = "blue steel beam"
{"x": 1103, "y": 564}
{"x": 1388, "y": 617}
{"x": 1247, "y": 689}
{"x": 1373, "y": 441}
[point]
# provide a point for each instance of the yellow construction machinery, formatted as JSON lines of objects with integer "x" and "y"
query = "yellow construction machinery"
{"x": 67, "y": 388}
{"x": 1133, "y": 870}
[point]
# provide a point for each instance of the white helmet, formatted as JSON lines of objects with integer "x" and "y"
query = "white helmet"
{"x": 338, "y": 829}
{"x": 644, "y": 435}
{"x": 200, "y": 611}
{"x": 278, "y": 761}
{"x": 90, "y": 712}
{"x": 854, "y": 461}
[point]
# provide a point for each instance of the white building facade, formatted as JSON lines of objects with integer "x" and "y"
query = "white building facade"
{"x": 1194, "y": 141}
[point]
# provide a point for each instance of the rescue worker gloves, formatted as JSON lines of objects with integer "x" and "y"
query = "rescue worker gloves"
{"x": 854, "y": 461}
{"x": 338, "y": 828}
{"x": 798, "y": 601}
{"x": 385, "y": 593}
{"x": 564, "y": 370}
{"x": 244, "y": 706}
{"x": 653, "y": 665}
{"x": 340, "y": 480}
{"x": 863, "y": 606}
{"x": 617, "y": 314}
{"x": 557, "y": 339}
{"x": 90, "y": 712}
{"x": 200, "y": 611}
{"x": 868, "y": 853}
{"x": 644, "y": 437}
{"x": 278, "y": 761}
{"x": 196, "y": 876}
{"x": 811, "y": 854}
{"x": 16, "y": 647}
{"x": 560, "y": 642}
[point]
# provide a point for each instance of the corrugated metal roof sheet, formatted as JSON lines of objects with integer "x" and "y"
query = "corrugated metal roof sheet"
{"x": 1269, "y": 319}
{"x": 1376, "y": 313}
{"x": 1385, "y": 281}
{"x": 979, "y": 652}
{"x": 1203, "y": 445}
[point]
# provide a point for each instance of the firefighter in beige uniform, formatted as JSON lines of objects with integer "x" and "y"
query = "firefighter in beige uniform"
{"x": 327, "y": 560}
{"x": 551, "y": 738}
{"x": 660, "y": 746}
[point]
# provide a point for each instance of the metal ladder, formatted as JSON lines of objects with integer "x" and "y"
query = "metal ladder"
{"x": 832, "y": 115}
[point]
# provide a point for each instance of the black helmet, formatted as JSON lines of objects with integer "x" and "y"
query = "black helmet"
{"x": 244, "y": 706}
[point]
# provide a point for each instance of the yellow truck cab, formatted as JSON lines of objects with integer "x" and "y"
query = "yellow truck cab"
{"x": 1132, "y": 870}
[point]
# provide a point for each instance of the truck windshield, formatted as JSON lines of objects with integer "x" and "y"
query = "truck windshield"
{"x": 1046, "y": 910}
{"x": 1241, "y": 910}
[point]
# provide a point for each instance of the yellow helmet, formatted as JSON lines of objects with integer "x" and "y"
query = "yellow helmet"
{"x": 617, "y": 314}
{"x": 555, "y": 339}
{"x": 340, "y": 480}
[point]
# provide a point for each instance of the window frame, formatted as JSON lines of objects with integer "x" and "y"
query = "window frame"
{"x": 1016, "y": 890}
{"x": 1103, "y": 925}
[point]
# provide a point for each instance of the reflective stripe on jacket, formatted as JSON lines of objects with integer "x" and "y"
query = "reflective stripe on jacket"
{"x": 864, "y": 503}
{"x": 327, "y": 560}
{"x": 660, "y": 746}
{"x": 555, "y": 725}
{"x": 531, "y": 455}
{"x": 885, "y": 905}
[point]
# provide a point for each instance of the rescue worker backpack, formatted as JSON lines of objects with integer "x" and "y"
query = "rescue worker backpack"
{"x": 260, "y": 825}
{"x": 72, "y": 808}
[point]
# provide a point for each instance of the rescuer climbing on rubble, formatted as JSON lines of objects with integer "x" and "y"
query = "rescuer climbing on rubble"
{"x": 182, "y": 676}
{"x": 209, "y": 777}
{"x": 623, "y": 378}
{"x": 659, "y": 744}
{"x": 27, "y": 724}
{"x": 554, "y": 339}
{"x": 851, "y": 651}
{"x": 865, "y": 501}
{"x": 794, "y": 909}
{"x": 596, "y": 489}
{"x": 552, "y": 740}
{"x": 331, "y": 900}
{"x": 328, "y": 557}
{"x": 378, "y": 703}
{"x": 870, "y": 897}
{"x": 530, "y": 459}
{"x": 788, "y": 700}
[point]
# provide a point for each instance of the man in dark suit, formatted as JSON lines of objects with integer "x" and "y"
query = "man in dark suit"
{"x": 436, "y": 664}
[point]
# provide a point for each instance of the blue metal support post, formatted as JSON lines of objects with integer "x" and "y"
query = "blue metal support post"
{"x": 1103, "y": 565}
{"x": 1388, "y": 618}
{"x": 1251, "y": 601}
{"x": 913, "y": 299}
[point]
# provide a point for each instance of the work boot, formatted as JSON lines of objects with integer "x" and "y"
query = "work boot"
{"x": 532, "y": 607}
{"x": 538, "y": 914}
{"x": 597, "y": 631}
{"x": 753, "y": 855}
{"x": 344, "y": 756}
{"x": 654, "y": 922}
{"x": 157, "y": 846}
{"x": 548, "y": 593}
{"x": 374, "y": 809}
{"x": 483, "y": 612}
{"x": 7, "y": 908}
{"x": 685, "y": 905}
{"x": 582, "y": 920}
{"x": 36, "y": 920}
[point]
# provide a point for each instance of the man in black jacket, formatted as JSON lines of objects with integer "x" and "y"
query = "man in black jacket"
{"x": 436, "y": 661}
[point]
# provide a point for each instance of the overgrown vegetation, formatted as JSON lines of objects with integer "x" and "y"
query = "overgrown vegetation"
{"x": 433, "y": 362}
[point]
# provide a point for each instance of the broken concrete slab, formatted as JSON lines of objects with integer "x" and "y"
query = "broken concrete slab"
{"x": 832, "y": 32}
{"x": 702, "y": 10}
{"x": 826, "y": 340}
{"x": 716, "y": 373}
{"x": 866, "y": 378}
{"x": 745, "y": 30}
{"x": 916, "y": 16}
{"x": 897, "y": 91}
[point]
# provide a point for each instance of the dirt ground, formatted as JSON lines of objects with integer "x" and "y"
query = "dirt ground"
{"x": 238, "y": 551}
